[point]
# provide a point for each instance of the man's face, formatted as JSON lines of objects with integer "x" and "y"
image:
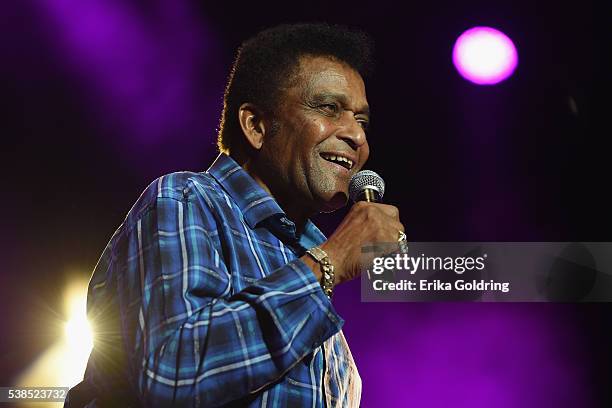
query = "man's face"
{"x": 319, "y": 140}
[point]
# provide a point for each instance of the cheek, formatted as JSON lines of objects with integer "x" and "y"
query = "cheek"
{"x": 322, "y": 126}
{"x": 311, "y": 134}
{"x": 311, "y": 124}
{"x": 317, "y": 130}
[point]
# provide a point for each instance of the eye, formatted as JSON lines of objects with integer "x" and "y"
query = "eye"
{"x": 329, "y": 107}
{"x": 364, "y": 124}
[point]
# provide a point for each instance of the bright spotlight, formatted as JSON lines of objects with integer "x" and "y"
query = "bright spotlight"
{"x": 78, "y": 330}
{"x": 484, "y": 55}
{"x": 63, "y": 364}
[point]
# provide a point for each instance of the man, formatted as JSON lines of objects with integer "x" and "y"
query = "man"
{"x": 206, "y": 294}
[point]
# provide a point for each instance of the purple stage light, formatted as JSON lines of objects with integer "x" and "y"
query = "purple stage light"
{"x": 484, "y": 55}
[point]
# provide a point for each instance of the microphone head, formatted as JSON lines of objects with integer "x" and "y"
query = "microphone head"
{"x": 364, "y": 180}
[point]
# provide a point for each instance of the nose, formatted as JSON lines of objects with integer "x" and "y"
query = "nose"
{"x": 352, "y": 132}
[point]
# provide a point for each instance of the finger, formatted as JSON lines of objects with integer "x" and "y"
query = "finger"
{"x": 389, "y": 210}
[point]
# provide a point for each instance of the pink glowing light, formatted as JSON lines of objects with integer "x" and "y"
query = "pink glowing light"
{"x": 484, "y": 55}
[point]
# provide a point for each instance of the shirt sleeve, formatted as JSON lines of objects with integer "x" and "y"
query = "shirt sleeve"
{"x": 188, "y": 337}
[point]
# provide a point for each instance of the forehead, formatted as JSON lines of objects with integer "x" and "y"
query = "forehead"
{"x": 325, "y": 74}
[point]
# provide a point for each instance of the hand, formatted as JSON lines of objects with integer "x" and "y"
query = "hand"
{"x": 366, "y": 223}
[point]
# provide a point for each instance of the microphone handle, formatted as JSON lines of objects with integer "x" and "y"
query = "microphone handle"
{"x": 370, "y": 195}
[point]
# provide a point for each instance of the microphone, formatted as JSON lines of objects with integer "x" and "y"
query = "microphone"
{"x": 366, "y": 185}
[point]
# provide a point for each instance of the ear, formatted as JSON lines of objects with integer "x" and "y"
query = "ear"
{"x": 252, "y": 124}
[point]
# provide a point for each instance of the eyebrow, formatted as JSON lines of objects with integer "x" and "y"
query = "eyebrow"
{"x": 363, "y": 110}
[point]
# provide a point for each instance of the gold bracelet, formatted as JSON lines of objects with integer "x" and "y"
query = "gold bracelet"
{"x": 327, "y": 269}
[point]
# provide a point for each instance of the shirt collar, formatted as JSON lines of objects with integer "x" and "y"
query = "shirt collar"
{"x": 256, "y": 204}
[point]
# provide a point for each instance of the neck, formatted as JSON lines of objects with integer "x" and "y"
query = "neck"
{"x": 294, "y": 209}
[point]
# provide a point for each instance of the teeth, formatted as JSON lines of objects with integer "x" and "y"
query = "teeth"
{"x": 339, "y": 159}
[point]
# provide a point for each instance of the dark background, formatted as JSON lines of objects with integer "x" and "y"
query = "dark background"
{"x": 99, "y": 99}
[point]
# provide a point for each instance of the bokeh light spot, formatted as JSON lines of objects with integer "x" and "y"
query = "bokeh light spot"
{"x": 484, "y": 56}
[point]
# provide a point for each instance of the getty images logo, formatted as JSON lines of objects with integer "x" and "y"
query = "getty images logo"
{"x": 412, "y": 264}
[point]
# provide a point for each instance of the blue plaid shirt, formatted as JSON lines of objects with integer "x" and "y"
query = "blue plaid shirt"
{"x": 200, "y": 299}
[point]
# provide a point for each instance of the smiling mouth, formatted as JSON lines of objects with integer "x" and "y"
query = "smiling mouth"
{"x": 342, "y": 161}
